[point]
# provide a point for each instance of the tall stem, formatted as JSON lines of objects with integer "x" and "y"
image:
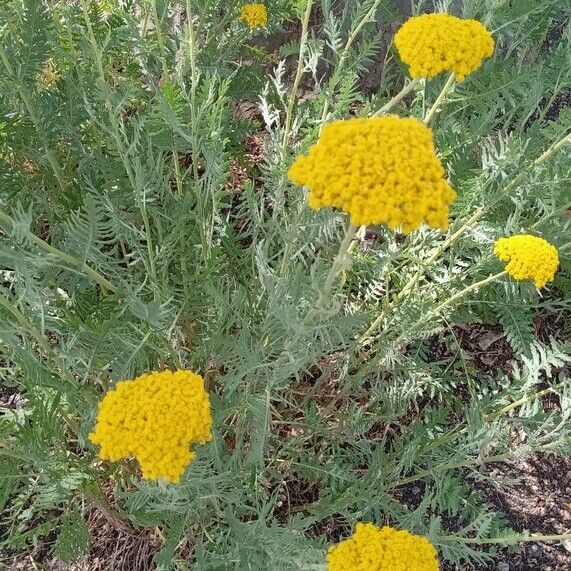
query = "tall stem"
{"x": 510, "y": 540}
{"x": 297, "y": 78}
{"x": 402, "y": 93}
{"x": 336, "y": 268}
{"x": 345, "y": 53}
{"x": 466, "y": 291}
{"x": 123, "y": 152}
{"x": 439, "y": 99}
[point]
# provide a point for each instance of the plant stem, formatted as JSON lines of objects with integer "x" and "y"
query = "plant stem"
{"x": 99, "y": 501}
{"x": 480, "y": 211}
{"x": 402, "y": 93}
{"x": 123, "y": 152}
{"x": 433, "y": 314}
{"x": 345, "y": 52}
{"x": 465, "y": 291}
{"x": 63, "y": 256}
{"x": 297, "y": 78}
{"x": 336, "y": 268}
{"x": 524, "y": 537}
{"x": 439, "y": 99}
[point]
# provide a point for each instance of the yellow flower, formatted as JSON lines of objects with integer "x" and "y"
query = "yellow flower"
{"x": 379, "y": 170}
{"x": 432, "y": 43}
{"x": 49, "y": 74}
{"x": 155, "y": 418}
{"x": 255, "y": 15}
{"x": 372, "y": 548}
{"x": 528, "y": 258}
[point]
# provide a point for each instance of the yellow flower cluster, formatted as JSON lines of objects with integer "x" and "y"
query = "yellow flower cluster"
{"x": 528, "y": 258}
{"x": 155, "y": 418}
{"x": 372, "y": 548}
{"x": 379, "y": 170}
{"x": 432, "y": 43}
{"x": 254, "y": 15}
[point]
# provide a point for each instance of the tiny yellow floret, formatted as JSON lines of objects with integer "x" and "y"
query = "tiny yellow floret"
{"x": 254, "y": 15}
{"x": 156, "y": 418}
{"x": 372, "y": 548}
{"x": 379, "y": 170}
{"x": 432, "y": 43}
{"x": 528, "y": 258}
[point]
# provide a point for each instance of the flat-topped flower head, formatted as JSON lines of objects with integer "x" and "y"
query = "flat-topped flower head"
{"x": 254, "y": 15}
{"x": 432, "y": 43}
{"x": 156, "y": 418}
{"x": 372, "y": 548}
{"x": 379, "y": 170}
{"x": 528, "y": 258}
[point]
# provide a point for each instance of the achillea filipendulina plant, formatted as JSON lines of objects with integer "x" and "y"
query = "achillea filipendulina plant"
{"x": 372, "y": 548}
{"x": 432, "y": 43}
{"x": 156, "y": 418}
{"x": 528, "y": 258}
{"x": 254, "y": 15}
{"x": 379, "y": 170}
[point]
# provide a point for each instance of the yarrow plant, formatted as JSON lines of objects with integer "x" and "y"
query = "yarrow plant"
{"x": 432, "y": 43}
{"x": 379, "y": 170}
{"x": 373, "y": 548}
{"x": 254, "y": 15}
{"x": 156, "y": 418}
{"x": 153, "y": 224}
{"x": 528, "y": 258}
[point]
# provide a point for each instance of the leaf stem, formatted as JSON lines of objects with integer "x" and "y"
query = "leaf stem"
{"x": 439, "y": 99}
{"x": 50, "y": 155}
{"x": 344, "y": 54}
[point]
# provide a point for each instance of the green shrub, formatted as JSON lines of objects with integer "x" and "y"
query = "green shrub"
{"x": 148, "y": 223}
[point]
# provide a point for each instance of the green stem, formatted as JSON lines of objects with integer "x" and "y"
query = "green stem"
{"x": 345, "y": 53}
{"x": 490, "y": 417}
{"x": 297, "y": 78}
{"x": 63, "y": 256}
{"x": 512, "y": 540}
{"x": 465, "y": 291}
{"x": 160, "y": 41}
{"x": 434, "y": 313}
{"x": 450, "y": 466}
{"x": 439, "y": 99}
{"x": 98, "y": 499}
{"x": 402, "y": 93}
{"x": 337, "y": 267}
